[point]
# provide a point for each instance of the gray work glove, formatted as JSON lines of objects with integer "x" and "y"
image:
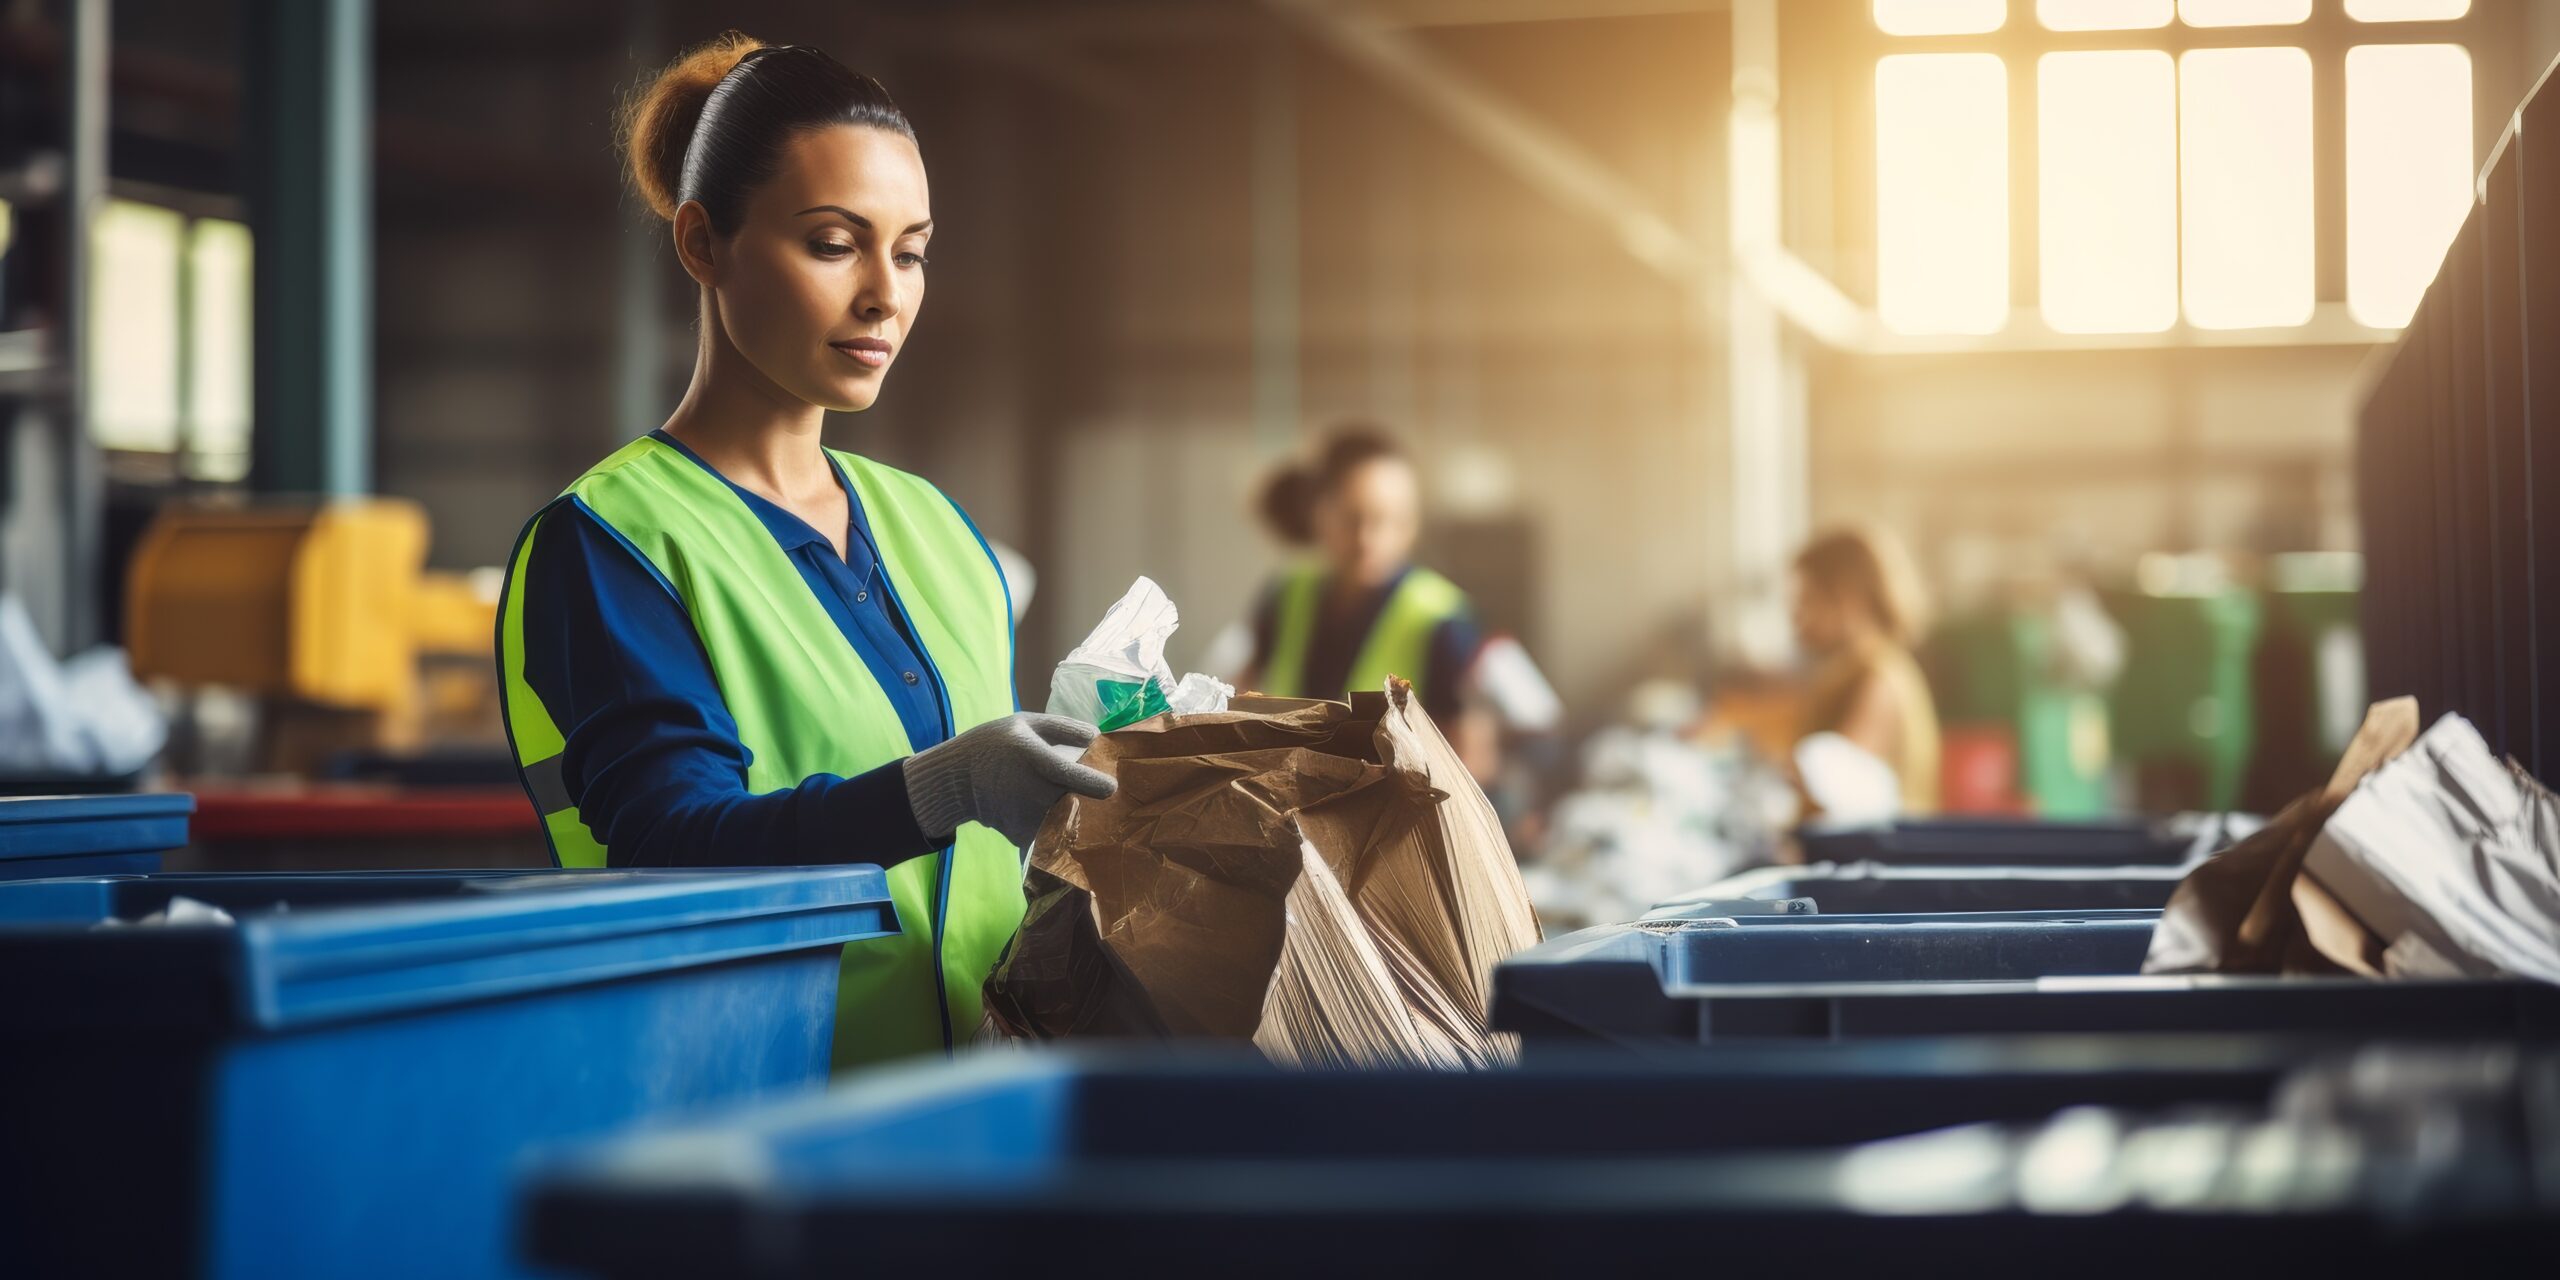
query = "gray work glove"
{"x": 1004, "y": 773}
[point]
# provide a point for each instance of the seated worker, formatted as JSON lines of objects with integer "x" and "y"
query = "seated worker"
{"x": 1359, "y": 610}
{"x": 1858, "y": 607}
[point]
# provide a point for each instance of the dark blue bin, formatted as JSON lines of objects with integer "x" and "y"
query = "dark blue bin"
{"x": 98, "y": 835}
{"x": 1032, "y": 1165}
{"x": 1874, "y": 889}
{"x": 1985, "y": 841}
{"x": 1987, "y": 947}
{"x": 340, "y": 1083}
{"x": 1714, "y": 981}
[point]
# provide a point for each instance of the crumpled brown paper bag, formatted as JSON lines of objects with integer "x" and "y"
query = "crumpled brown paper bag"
{"x": 1321, "y": 878}
{"x": 2252, "y": 909}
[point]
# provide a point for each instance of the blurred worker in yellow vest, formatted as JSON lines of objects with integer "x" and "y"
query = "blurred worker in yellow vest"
{"x": 1357, "y": 609}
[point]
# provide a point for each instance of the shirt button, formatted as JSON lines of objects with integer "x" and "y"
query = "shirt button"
{"x": 911, "y": 677}
{"x": 861, "y": 597}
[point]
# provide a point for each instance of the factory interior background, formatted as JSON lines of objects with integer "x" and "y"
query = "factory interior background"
{"x": 1977, "y": 578}
{"x": 1653, "y": 291}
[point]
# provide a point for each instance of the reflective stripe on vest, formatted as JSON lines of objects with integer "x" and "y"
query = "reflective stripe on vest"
{"x": 805, "y": 703}
{"x": 1398, "y": 643}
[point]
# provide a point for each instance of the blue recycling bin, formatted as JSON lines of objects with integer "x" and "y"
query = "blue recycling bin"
{"x": 1874, "y": 889}
{"x": 339, "y": 1082}
{"x": 1979, "y": 947}
{"x": 1039, "y": 1164}
{"x": 93, "y": 835}
{"x": 1718, "y": 981}
{"x": 1995, "y": 841}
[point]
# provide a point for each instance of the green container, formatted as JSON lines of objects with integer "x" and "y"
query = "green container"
{"x": 2181, "y": 710}
{"x": 2328, "y": 623}
{"x": 1995, "y": 667}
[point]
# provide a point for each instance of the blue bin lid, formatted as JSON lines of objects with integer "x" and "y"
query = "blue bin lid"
{"x": 79, "y": 826}
{"x": 313, "y": 949}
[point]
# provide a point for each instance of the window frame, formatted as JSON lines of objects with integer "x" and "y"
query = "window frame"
{"x": 2021, "y": 41}
{"x": 187, "y": 460}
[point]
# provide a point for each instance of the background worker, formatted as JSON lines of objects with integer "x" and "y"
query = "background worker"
{"x": 1357, "y": 609}
{"x": 1858, "y": 612}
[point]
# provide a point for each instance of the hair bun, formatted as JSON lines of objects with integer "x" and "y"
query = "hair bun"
{"x": 657, "y": 120}
{"x": 1287, "y": 504}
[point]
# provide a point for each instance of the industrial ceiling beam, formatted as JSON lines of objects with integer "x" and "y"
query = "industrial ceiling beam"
{"x": 1532, "y": 149}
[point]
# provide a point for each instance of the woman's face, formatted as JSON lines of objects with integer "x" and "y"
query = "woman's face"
{"x": 822, "y": 282}
{"x": 1367, "y": 524}
{"x": 1821, "y": 624}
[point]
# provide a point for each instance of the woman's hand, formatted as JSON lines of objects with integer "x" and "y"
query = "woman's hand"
{"x": 1005, "y": 774}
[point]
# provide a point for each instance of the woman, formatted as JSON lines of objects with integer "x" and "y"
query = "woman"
{"x": 1359, "y": 610}
{"x": 726, "y": 645}
{"x": 1857, "y": 613}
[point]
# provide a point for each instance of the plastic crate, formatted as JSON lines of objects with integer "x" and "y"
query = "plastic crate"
{"x": 1032, "y": 1164}
{"x": 2025, "y": 842}
{"x": 1979, "y": 947}
{"x": 1673, "y": 982}
{"x": 1871, "y": 889}
{"x": 339, "y": 1083}
{"x": 90, "y": 835}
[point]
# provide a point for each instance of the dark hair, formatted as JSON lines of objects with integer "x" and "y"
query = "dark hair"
{"x": 711, "y": 125}
{"x": 1288, "y": 498}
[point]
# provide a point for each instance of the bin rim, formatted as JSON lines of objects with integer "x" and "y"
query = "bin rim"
{"x": 280, "y": 971}
{"x": 68, "y": 826}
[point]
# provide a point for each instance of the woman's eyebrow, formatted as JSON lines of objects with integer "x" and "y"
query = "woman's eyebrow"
{"x": 858, "y": 220}
{"x": 838, "y": 210}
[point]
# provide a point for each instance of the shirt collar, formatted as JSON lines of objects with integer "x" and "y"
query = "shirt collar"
{"x": 790, "y": 531}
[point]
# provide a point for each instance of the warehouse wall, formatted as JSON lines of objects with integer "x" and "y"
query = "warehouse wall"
{"x": 1568, "y": 399}
{"x": 496, "y": 220}
{"x": 1987, "y": 461}
{"x": 1086, "y": 377}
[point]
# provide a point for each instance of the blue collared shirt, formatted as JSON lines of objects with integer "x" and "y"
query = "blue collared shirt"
{"x": 653, "y": 760}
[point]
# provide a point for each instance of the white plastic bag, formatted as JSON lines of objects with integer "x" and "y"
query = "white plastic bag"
{"x": 85, "y": 716}
{"x": 1851, "y": 784}
{"x": 1118, "y": 676}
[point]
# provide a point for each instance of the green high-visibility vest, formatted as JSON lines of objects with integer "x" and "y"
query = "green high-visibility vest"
{"x": 806, "y": 704}
{"x": 1398, "y": 644}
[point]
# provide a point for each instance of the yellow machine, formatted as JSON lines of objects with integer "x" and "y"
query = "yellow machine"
{"x": 324, "y": 611}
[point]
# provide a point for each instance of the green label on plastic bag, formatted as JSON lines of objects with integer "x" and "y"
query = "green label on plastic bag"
{"x": 1125, "y": 702}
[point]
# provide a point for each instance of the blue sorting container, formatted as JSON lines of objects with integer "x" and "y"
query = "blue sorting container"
{"x": 1988, "y": 841}
{"x": 1713, "y": 981}
{"x": 1984, "y": 947}
{"x": 1874, "y": 889}
{"x": 1030, "y": 1164}
{"x": 340, "y": 1082}
{"x": 90, "y": 835}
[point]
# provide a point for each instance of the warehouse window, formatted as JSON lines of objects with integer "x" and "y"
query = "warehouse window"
{"x": 2407, "y": 10}
{"x": 2242, "y": 13}
{"x": 2169, "y": 183}
{"x": 2408, "y": 171}
{"x": 168, "y": 340}
{"x": 1942, "y": 256}
{"x": 133, "y": 326}
{"x": 2244, "y": 165}
{"x": 2107, "y": 206}
{"x": 2104, "y": 15}
{"x": 1940, "y": 17}
{"x": 218, "y": 321}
